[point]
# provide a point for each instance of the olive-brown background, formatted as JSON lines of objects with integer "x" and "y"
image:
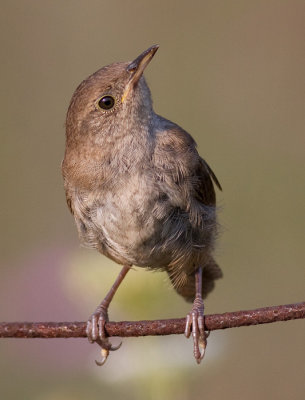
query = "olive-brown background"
{"x": 232, "y": 74}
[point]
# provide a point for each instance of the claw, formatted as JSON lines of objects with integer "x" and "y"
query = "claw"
{"x": 202, "y": 343}
{"x": 195, "y": 325}
{"x": 95, "y": 329}
{"x": 96, "y": 334}
{"x": 105, "y": 354}
{"x": 106, "y": 345}
{"x": 114, "y": 348}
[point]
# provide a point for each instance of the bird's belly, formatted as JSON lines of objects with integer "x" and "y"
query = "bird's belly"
{"x": 125, "y": 222}
{"x": 137, "y": 224}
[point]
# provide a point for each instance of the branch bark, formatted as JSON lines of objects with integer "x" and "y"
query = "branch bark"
{"x": 158, "y": 327}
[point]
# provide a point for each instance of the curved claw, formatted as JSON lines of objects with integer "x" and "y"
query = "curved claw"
{"x": 107, "y": 346}
{"x": 114, "y": 348}
{"x": 195, "y": 326}
{"x": 96, "y": 333}
{"x": 201, "y": 349}
{"x": 105, "y": 354}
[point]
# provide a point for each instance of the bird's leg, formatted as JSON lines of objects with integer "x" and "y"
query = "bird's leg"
{"x": 96, "y": 323}
{"x": 195, "y": 322}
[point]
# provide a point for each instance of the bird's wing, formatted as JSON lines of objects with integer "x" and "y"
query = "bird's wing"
{"x": 180, "y": 167}
{"x": 205, "y": 191}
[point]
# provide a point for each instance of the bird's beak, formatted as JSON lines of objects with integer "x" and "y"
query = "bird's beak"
{"x": 136, "y": 68}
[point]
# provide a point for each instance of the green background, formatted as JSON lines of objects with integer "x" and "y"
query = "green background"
{"x": 232, "y": 74}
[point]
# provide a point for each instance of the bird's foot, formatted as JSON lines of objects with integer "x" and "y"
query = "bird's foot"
{"x": 96, "y": 333}
{"x": 195, "y": 326}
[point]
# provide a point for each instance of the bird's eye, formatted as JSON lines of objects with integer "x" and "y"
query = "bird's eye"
{"x": 106, "y": 102}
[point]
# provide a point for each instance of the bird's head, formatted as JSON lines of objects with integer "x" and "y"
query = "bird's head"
{"x": 113, "y": 99}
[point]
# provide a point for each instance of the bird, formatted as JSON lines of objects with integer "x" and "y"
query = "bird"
{"x": 139, "y": 191}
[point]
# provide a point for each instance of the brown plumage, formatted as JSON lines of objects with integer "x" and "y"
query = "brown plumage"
{"x": 136, "y": 185}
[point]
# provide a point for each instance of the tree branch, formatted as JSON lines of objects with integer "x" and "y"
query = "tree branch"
{"x": 159, "y": 327}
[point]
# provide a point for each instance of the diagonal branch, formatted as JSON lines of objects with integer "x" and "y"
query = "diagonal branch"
{"x": 159, "y": 327}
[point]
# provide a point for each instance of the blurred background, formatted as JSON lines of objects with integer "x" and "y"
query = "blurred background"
{"x": 232, "y": 74}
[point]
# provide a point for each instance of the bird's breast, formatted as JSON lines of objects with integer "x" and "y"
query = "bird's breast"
{"x": 121, "y": 218}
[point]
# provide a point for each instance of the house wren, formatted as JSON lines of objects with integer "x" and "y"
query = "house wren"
{"x": 139, "y": 191}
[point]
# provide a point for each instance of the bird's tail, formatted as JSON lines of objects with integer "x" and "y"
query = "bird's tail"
{"x": 185, "y": 286}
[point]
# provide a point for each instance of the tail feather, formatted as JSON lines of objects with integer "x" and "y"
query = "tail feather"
{"x": 185, "y": 285}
